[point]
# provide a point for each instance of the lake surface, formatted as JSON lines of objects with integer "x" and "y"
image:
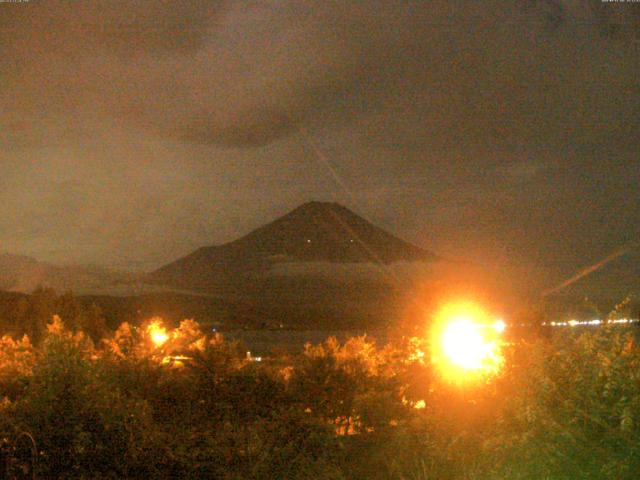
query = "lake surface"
{"x": 263, "y": 342}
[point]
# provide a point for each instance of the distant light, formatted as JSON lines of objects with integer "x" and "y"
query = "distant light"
{"x": 159, "y": 338}
{"x": 175, "y": 360}
{"x": 499, "y": 326}
{"x": 251, "y": 358}
{"x": 623, "y": 320}
{"x": 595, "y": 322}
{"x": 157, "y": 333}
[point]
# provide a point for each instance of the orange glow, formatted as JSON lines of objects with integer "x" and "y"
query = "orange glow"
{"x": 466, "y": 343}
{"x": 157, "y": 333}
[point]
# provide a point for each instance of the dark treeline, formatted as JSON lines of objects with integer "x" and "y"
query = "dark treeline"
{"x": 22, "y": 314}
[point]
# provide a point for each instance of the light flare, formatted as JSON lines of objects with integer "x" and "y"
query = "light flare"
{"x": 157, "y": 333}
{"x": 466, "y": 343}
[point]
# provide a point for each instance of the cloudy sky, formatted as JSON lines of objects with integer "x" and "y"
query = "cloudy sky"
{"x": 503, "y": 132}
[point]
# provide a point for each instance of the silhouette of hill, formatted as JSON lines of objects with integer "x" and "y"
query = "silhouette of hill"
{"x": 313, "y": 232}
{"x": 19, "y": 273}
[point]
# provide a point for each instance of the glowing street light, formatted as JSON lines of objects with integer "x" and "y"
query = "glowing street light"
{"x": 157, "y": 333}
{"x": 465, "y": 343}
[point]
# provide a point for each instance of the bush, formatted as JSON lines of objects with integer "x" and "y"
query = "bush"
{"x": 195, "y": 407}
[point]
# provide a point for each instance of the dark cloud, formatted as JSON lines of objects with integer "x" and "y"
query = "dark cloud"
{"x": 487, "y": 129}
{"x": 488, "y": 74}
{"x": 126, "y": 29}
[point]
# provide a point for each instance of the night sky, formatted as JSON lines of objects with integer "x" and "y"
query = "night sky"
{"x": 499, "y": 132}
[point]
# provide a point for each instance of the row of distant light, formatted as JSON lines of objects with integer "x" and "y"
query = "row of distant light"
{"x": 582, "y": 323}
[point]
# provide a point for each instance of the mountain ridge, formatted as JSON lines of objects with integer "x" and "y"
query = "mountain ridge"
{"x": 21, "y": 273}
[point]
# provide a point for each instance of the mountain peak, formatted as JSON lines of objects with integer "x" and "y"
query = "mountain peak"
{"x": 316, "y": 206}
{"x": 322, "y": 203}
{"x": 313, "y": 232}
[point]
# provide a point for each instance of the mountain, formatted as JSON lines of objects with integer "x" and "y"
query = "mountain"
{"x": 315, "y": 232}
{"x": 319, "y": 266}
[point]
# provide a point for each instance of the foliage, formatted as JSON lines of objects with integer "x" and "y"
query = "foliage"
{"x": 30, "y": 315}
{"x": 188, "y": 405}
{"x": 576, "y": 410}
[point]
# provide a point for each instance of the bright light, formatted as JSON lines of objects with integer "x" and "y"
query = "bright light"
{"x": 157, "y": 333}
{"x": 463, "y": 343}
{"x": 466, "y": 343}
{"x": 419, "y": 405}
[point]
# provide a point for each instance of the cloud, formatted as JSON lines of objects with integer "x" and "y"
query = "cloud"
{"x": 460, "y": 124}
{"x": 246, "y": 74}
{"x": 61, "y": 28}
